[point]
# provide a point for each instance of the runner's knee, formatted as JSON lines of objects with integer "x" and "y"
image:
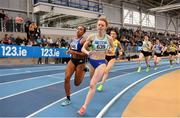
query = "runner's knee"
{"x": 92, "y": 86}
{"x": 67, "y": 79}
{"x": 77, "y": 82}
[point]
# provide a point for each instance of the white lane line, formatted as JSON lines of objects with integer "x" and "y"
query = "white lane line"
{"x": 27, "y": 68}
{"x": 54, "y": 75}
{"x": 131, "y": 67}
{"x": 50, "y": 69}
{"x": 28, "y": 71}
{"x": 27, "y": 79}
{"x": 36, "y": 87}
{"x": 16, "y": 69}
{"x": 31, "y": 71}
{"x": 40, "y": 110}
{"x": 46, "y": 68}
{"x": 30, "y": 90}
{"x": 105, "y": 109}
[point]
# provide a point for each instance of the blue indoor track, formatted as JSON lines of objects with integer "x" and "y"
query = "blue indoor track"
{"x": 38, "y": 90}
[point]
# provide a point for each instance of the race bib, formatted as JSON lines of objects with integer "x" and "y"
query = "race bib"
{"x": 100, "y": 45}
{"x": 74, "y": 45}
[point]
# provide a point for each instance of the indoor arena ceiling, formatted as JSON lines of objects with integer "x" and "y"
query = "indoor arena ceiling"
{"x": 171, "y": 6}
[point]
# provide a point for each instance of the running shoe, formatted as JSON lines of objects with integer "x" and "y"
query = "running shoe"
{"x": 100, "y": 88}
{"x": 66, "y": 102}
{"x": 155, "y": 68}
{"x": 147, "y": 69}
{"x": 82, "y": 111}
{"x": 139, "y": 69}
{"x": 86, "y": 69}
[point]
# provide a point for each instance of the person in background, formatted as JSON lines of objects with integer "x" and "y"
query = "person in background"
{"x": 146, "y": 52}
{"x": 172, "y": 50}
{"x": 19, "y": 23}
{"x": 158, "y": 50}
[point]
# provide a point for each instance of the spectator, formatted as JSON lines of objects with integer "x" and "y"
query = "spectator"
{"x": 12, "y": 39}
{"x": 32, "y": 30}
{"x": 57, "y": 43}
{"x": 37, "y": 32}
{"x": 46, "y": 59}
{"x": 19, "y": 23}
{"x": 25, "y": 40}
{"x": 19, "y": 41}
{"x": 26, "y": 27}
{"x": 50, "y": 41}
{"x": 44, "y": 40}
{"x": 9, "y": 25}
{"x": 3, "y": 18}
{"x": 63, "y": 42}
{"x": 39, "y": 41}
{"x": 40, "y": 58}
{"x": 6, "y": 39}
{"x": 2, "y": 15}
{"x": 30, "y": 43}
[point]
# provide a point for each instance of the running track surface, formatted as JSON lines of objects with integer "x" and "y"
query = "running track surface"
{"x": 38, "y": 90}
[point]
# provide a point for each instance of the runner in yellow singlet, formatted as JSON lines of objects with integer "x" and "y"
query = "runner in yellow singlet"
{"x": 172, "y": 50}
